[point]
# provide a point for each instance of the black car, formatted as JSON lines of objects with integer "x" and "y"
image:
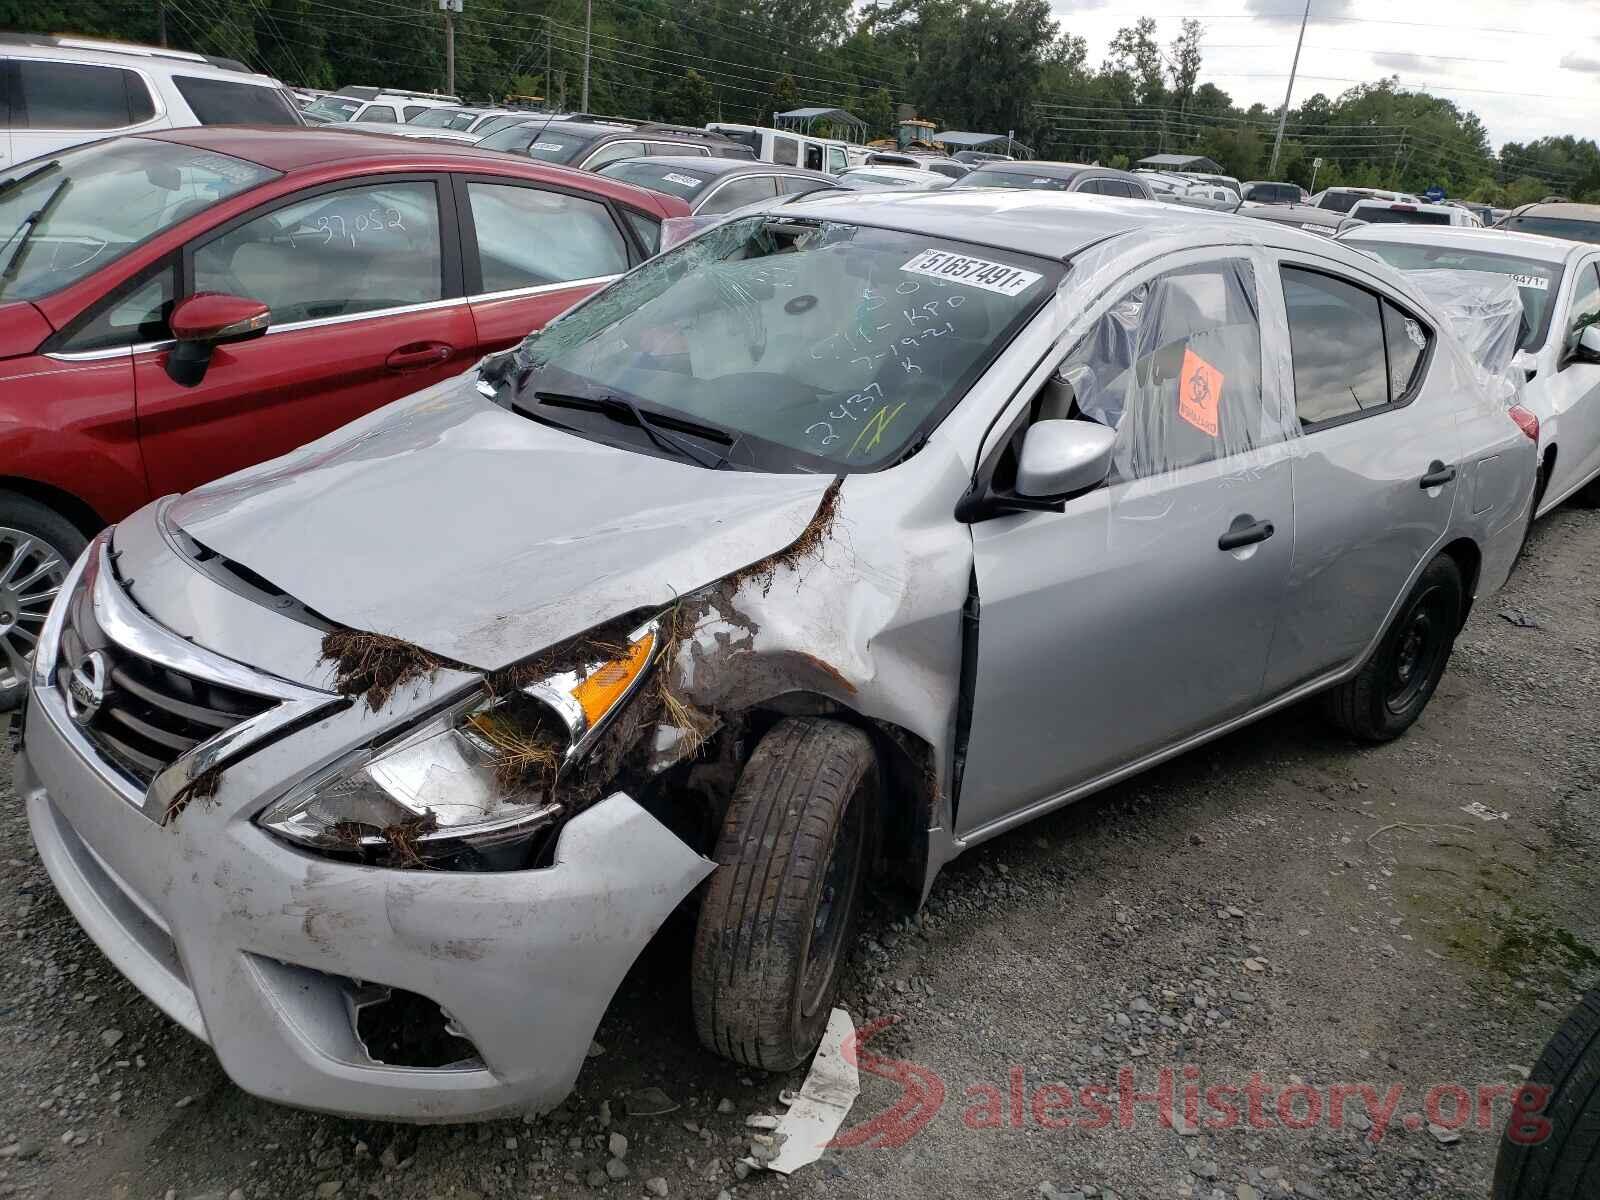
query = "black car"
{"x": 1575, "y": 222}
{"x": 716, "y": 185}
{"x": 591, "y": 142}
{"x": 1265, "y": 192}
{"x": 1303, "y": 216}
{"x": 1058, "y": 177}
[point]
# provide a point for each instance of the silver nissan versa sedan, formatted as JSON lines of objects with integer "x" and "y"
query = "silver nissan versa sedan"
{"x": 828, "y": 544}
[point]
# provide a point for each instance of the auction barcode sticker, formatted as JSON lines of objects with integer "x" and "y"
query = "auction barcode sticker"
{"x": 548, "y": 146}
{"x": 689, "y": 181}
{"x": 974, "y": 272}
{"x": 1537, "y": 283}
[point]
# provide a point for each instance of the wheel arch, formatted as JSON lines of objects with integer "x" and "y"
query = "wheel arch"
{"x": 1468, "y": 558}
{"x": 74, "y": 508}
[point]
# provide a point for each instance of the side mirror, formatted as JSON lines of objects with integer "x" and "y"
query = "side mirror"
{"x": 205, "y": 321}
{"x": 1587, "y": 349}
{"x": 1062, "y": 457}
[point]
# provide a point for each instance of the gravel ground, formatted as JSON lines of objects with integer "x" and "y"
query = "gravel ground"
{"x": 1279, "y": 905}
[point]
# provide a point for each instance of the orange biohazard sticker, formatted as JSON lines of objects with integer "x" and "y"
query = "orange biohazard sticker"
{"x": 1199, "y": 392}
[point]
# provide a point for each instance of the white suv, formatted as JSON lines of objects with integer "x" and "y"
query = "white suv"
{"x": 66, "y": 90}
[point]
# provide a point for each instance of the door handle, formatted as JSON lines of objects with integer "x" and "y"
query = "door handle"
{"x": 1438, "y": 475}
{"x": 1245, "y": 531}
{"x": 416, "y": 355}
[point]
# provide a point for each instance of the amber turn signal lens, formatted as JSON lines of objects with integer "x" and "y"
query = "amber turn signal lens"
{"x": 609, "y": 683}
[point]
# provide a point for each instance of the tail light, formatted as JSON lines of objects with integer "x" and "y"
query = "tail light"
{"x": 1526, "y": 421}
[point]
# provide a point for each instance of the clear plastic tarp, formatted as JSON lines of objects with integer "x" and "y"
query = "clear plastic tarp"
{"x": 1486, "y": 317}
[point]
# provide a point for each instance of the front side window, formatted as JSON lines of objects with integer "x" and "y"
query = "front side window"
{"x": 135, "y": 315}
{"x": 63, "y": 219}
{"x": 223, "y": 102}
{"x": 332, "y": 255}
{"x": 1585, "y": 305}
{"x": 736, "y": 193}
{"x": 528, "y": 237}
{"x": 1352, "y": 352}
{"x": 836, "y": 160}
{"x": 811, "y": 345}
{"x": 1175, "y": 368}
{"x": 59, "y": 95}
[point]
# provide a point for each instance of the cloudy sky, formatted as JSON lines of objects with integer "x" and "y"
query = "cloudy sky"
{"x": 1529, "y": 68}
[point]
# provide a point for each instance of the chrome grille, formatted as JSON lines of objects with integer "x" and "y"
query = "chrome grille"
{"x": 150, "y": 713}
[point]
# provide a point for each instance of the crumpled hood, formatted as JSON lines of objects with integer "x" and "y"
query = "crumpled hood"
{"x": 482, "y": 536}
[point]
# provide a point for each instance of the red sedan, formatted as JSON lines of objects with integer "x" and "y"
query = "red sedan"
{"x": 138, "y": 276}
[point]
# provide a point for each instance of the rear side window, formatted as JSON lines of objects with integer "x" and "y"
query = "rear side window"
{"x": 799, "y": 185}
{"x": 378, "y": 112}
{"x": 1353, "y": 353}
{"x": 612, "y": 151}
{"x": 414, "y": 111}
{"x": 786, "y": 151}
{"x": 738, "y": 192}
{"x": 528, "y": 237}
{"x": 54, "y": 95}
{"x": 222, "y": 102}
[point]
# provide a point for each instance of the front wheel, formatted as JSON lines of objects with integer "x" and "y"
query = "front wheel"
{"x": 1384, "y": 698}
{"x": 37, "y": 548}
{"x": 780, "y": 911}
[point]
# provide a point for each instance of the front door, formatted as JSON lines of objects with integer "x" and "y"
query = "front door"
{"x": 364, "y": 287}
{"x": 1143, "y": 612}
{"x": 1574, "y": 389}
{"x": 1376, "y": 474}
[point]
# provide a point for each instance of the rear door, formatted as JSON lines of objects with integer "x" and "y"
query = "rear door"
{"x": 1142, "y": 613}
{"x": 1377, "y": 471}
{"x": 364, "y": 282}
{"x": 530, "y": 252}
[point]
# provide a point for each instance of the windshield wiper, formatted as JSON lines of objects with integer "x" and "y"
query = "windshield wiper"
{"x": 26, "y": 229}
{"x": 653, "y": 426}
{"x": 16, "y": 181}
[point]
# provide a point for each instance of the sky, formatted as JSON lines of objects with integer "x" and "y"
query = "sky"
{"x": 1528, "y": 68}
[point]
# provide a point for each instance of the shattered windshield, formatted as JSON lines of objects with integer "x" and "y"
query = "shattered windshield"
{"x": 806, "y": 344}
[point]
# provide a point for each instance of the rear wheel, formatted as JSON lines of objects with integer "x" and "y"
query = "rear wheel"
{"x": 1384, "y": 698}
{"x": 780, "y": 912}
{"x": 1551, "y": 1147}
{"x": 37, "y": 548}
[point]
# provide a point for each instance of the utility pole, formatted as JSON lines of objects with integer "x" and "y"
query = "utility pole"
{"x": 1394, "y": 173}
{"x": 450, "y": 8}
{"x": 547, "y": 80}
{"x": 1283, "y": 117}
{"x": 161, "y": 21}
{"x": 588, "y": 26}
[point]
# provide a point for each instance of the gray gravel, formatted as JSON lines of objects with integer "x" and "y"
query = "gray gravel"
{"x": 1280, "y": 904}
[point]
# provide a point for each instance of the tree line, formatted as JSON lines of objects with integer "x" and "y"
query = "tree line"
{"x": 1000, "y": 66}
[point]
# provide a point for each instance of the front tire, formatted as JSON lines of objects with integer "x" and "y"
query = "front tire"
{"x": 1563, "y": 1163}
{"x": 780, "y": 911}
{"x": 37, "y": 548}
{"x": 1388, "y": 694}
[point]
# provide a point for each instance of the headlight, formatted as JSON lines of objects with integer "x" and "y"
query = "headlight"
{"x": 482, "y": 774}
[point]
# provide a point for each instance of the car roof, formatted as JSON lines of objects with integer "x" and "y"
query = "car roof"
{"x": 1052, "y": 170}
{"x": 724, "y": 166}
{"x": 893, "y": 170}
{"x": 1029, "y": 221}
{"x": 96, "y": 50}
{"x": 1407, "y": 205}
{"x": 1561, "y": 209}
{"x": 1490, "y": 241}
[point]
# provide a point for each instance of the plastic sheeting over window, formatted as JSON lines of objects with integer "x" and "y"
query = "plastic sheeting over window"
{"x": 1485, "y": 315}
{"x": 1175, "y": 367}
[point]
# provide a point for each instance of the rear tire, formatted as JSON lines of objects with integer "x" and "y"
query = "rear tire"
{"x": 780, "y": 911}
{"x": 37, "y": 548}
{"x": 1565, "y": 1163}
{"x": 1388, "y": 694}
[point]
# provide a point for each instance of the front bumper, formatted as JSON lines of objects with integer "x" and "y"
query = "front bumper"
{"x": 263, "y": 951}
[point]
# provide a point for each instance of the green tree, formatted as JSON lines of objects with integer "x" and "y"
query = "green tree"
{"x": 878, "y": 112}
{"x": 1185, "y": 61}
{"x": 692, "y": 101}
{"x": 1135, "y": 53}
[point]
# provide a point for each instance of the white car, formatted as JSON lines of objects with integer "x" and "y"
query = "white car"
{"x": 1343, "y": 199}
{"x": 889, "y": 178}
{"x": 1405, "y": 212}
{"x": 65, "y": 91}
{"x": 1559, "y": 282}
{"x": 390, "y": 106}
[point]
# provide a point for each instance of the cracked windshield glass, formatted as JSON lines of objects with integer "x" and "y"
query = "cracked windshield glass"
{"x": 814, "y": 345}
